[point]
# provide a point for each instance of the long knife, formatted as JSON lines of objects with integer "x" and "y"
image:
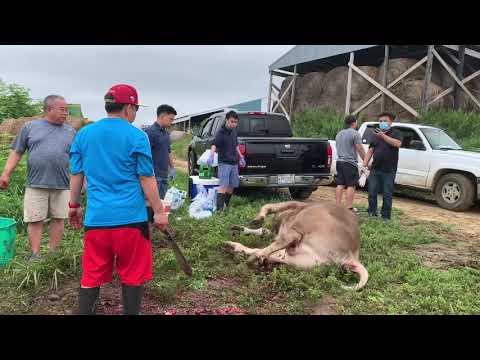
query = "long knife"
{"x": 178, "y": 253}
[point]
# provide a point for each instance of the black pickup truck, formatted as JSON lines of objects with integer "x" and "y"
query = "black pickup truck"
{"x": 274, "y": 158}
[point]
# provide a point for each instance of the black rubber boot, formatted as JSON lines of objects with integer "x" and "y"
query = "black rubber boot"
{"x": 227, "y": 199}
{"x": 132, "y": 299}
{"x": 220, "y": 202}
{"x": 87, "y": 300}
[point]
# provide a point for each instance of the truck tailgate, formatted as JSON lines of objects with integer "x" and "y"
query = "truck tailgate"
{"x": 285, "y": 156}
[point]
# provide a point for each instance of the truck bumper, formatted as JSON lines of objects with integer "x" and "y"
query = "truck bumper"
{"x": 272, "y": 181}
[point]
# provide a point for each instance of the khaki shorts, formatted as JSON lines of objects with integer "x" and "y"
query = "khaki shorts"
{"x": 38, "y": 204}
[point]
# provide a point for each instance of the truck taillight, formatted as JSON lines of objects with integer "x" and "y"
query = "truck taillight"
{"x": 329, "y": 155}
{"x": 243, "y": 149}
{"x": 257, "y": 113}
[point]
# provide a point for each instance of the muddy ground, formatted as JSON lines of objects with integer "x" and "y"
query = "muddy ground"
{"x": 204, "y": 302}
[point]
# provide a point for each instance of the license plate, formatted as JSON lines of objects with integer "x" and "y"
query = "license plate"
{"x": 286, "y": 179}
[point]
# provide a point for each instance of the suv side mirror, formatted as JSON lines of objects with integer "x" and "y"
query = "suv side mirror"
{"x": 417, "y": 145}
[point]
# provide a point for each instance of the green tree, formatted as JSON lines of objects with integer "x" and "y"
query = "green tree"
{"x": 15, "y": 102}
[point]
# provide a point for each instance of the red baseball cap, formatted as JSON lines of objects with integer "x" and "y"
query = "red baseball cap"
{"x": 124, "y": 94}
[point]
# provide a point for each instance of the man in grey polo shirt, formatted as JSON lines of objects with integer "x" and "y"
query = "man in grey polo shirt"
{"x": 348, "y": 142}
{"x": 47, "y": 142}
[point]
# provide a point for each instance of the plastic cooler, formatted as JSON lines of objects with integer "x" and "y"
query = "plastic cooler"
{"x": 8, "y": 233}
{"x": 208, "y": 183}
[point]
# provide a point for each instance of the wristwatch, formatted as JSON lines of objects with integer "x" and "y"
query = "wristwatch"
{"x": 73, "y": 206}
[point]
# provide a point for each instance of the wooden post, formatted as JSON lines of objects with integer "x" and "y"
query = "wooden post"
{"x": 454, "y": 76}
{"x": 270, "y": 92}
{"x": 385, "y": 73}
{"x": 293, "y": 90}
{"x": 349, "y": 85}
{"x": 377, "y": 95}
{"x": 460, "y": 66}
{"x": 385, "y": 91}
{"x": 451, "y": 89}
{"x": 428, "y": 78}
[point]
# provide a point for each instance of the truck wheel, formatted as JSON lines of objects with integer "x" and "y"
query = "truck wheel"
{"x": 191, "y": 164}
{"x": 454, "y": 192}
{"x": 301, "y": 193}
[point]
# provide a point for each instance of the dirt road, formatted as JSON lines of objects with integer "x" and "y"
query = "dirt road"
{"x": 467, "y": 222}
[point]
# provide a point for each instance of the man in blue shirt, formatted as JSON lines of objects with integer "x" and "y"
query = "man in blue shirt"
{"x": 160, "y": 146}
{"x": 115, "y": 158}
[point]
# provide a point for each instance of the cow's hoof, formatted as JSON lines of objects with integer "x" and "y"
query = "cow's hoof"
{"x": 230, "y": 247}
{"x": 236, "y": 230}
{"x": 256, "y": 223}
{"x": 256, "y": 261}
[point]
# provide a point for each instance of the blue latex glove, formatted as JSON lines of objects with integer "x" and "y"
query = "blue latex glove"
{"x": 172, "y": 174}
{"x": 242, "y": 161}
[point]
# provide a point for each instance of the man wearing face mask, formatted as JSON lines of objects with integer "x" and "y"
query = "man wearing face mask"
{"x": 384, "y": 149}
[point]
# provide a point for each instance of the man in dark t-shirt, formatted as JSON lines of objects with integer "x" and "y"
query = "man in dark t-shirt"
{"x": 160, "y": 145}
{"x": 384, "y": 149}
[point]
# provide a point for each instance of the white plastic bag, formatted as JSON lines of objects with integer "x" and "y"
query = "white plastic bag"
{"x": 206, "y": 159}
{"x": 175, "y": 197}
{"x": 363, "y": 177}
{"x": 204, "y": 204}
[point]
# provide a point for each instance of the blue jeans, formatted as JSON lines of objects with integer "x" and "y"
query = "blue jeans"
{"x": 384, "y": 181}
{"x": 162, "y": 183}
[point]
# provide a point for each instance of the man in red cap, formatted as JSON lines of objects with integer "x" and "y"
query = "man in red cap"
{"x": 116, "y": 159}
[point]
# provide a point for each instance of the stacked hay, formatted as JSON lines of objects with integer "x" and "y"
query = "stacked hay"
{"x": 328, "y": 90}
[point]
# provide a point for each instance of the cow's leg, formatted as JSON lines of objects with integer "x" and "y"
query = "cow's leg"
{"x": 275, "y": 208}
{"x": 283, "y": 240}
{"x": 236, "y": 230}
{"x": 240, "y": 248}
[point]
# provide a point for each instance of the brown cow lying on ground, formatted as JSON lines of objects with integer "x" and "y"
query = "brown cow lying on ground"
{"x": 308, "y": 234}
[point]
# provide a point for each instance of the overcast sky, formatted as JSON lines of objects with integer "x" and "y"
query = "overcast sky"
{"x": 190, "y": 78}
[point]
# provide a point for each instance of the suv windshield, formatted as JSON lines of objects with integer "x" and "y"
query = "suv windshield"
{"x": 439, "y": 140}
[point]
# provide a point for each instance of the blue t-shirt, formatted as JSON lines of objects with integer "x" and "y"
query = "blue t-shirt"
{"x": 112, "y": 154}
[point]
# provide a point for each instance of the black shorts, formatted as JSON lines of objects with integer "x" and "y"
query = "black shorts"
{"x": 347, "y": 174}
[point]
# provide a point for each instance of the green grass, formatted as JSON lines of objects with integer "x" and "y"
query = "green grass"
{"x": 317, "y": 123}
{"x": 179, "y": 148}
{"x": 399, "y": 283}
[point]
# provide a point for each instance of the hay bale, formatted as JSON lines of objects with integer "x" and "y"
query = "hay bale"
{"x": 328, "y": 90}
{"x": 13, "y": 126}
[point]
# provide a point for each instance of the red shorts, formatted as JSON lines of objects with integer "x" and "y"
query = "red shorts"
{"x": 133, "y": 252}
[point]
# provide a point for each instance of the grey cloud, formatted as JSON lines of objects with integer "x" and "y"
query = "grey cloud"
{"x": 191, "y": 78}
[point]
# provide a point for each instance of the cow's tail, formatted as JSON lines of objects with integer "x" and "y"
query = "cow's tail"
{"x": 356, "y": 266}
